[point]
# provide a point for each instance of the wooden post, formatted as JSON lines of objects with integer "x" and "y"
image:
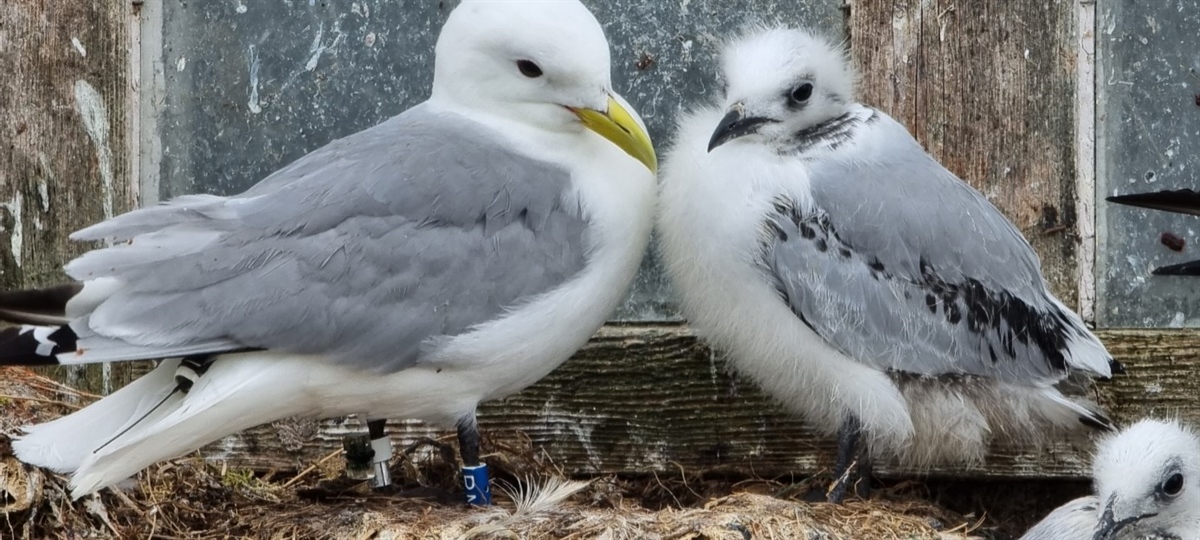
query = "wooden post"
{"x": 65, "y": 141}
{"x": 988, "y": 88}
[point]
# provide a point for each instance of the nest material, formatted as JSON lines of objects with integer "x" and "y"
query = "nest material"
{"x": 191, "y": 498}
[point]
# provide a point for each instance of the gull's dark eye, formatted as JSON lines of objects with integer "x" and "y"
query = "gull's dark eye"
{"x": 802, "y": 93}
{"x": 529, "y": 69}
{"x": 1172, "y": 486}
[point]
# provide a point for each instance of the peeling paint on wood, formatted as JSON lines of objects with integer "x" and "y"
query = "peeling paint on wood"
{"x": 63, "y": 141}
{"x": 988, "y": 89}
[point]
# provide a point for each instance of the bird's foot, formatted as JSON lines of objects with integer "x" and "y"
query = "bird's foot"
{"x": 852, "y": 470}
{"x": 855, "y": 480}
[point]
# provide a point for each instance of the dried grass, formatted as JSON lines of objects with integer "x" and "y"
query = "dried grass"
{"x": 193, "y": 499}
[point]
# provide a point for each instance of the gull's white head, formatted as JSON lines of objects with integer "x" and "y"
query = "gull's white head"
{"x": 781, "y": 81}
{"x": 542, "y": 62}
{"x": 1148, "y": 482}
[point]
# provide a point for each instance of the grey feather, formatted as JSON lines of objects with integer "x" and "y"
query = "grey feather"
{"x": 902, "y": 266}
{"x": 1076, "y": 520}
{"x": 365, "y": 250}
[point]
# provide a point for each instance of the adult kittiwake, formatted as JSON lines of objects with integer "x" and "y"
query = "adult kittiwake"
{"x": 453, "y": 254}
{"x": 812, "y": 240}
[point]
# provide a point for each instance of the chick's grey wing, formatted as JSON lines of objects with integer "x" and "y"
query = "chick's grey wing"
{"x": 374, "y": 247}
{"x": 900, "y": 265}
{"x": 1075, "y": 520}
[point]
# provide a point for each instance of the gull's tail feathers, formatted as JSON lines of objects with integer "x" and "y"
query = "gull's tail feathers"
{"x": 152, "y": 419}
{"x": 62, "y": 445}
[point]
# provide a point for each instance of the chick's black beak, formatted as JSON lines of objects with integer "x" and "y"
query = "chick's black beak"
{"x": 735, "y": 125}
{"x": 1109, "y": 526}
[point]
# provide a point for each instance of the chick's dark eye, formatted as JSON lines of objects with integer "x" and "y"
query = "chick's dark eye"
{"x": 802, "y": 92}
{"x": 529, "y": 69}
{"x": 1173, "y": 485}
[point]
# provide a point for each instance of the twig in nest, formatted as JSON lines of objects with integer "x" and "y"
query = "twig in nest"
{"x": 60, "y": 387}
{"x": 129, "y": 502}
{"x": 312, "y": 468}
{"x": 41, "y": 400}
{"x": 683, "y": 477}
{"x": 968, "y": 528}
{"x": 678, "y": 503}
{"x": 446, "y": 451}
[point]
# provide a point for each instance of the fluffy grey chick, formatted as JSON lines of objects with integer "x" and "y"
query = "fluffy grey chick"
{"x": 814, "y": 241}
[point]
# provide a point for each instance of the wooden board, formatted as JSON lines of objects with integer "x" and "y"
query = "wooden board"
{"x": 643, "y": 399}
{"x": 64, "y": 135}
{"x": 989, "y": 89}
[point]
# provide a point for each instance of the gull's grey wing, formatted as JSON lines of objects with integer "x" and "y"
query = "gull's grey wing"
{"x": 902, "y": 266}
{"x": 367, "y": 250}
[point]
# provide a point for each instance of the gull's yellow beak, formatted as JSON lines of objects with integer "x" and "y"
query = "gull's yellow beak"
{"x": 618, "y": 126}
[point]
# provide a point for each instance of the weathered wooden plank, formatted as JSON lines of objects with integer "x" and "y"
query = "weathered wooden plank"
{"x": 642, "y": 399}
{"x": 988, "y": 88}
{"x": 1162, "y": 379}
{"x": 65, "y": 152}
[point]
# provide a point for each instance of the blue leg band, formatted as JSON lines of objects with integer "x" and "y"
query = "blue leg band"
{"x": 479, "y": 488}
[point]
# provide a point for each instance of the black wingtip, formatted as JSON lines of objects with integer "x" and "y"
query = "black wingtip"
{"x": 35, "y": 346}
{"x": 1190, "y": 268}
{"x": 1183, "y": 201}
{"x": 37, "y": 306}
{"x": 1116, "y": 367}
{"x": 1098, "y": 421}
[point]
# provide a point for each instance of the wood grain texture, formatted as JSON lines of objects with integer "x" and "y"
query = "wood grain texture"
{"x": 988, "y": 88}
{"x": 64, "y": 137}
{"x": 642, "y": 399}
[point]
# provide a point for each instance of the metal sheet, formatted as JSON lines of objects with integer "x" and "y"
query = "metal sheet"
{"x": 252, "y": 85}
{"x": 1148, "y": 123}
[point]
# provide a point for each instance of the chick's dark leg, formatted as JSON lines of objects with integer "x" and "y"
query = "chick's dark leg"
{"x": 475, "y": 472}
{"x": 852, "y": 468}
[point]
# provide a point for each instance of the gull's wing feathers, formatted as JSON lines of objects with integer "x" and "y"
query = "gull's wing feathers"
{"x": 368, "y": 250}
{"x": 902, "y": 266}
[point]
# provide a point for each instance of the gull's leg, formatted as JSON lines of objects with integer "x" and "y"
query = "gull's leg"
{"x": 382, "y": 458}
{"x": 358, "y": 454}
{"x": 475, "y": 472}
{"x": 852, "y": 467}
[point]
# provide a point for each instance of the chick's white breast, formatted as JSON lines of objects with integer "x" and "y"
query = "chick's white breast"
{"x": 712, "y": 219}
